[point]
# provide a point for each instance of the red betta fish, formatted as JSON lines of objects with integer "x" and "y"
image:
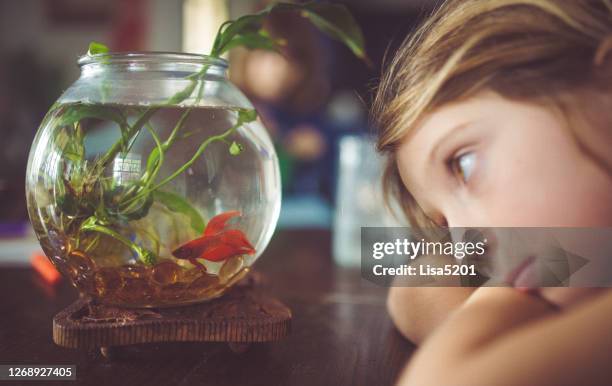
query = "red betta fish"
{"x": 216, "y": 243}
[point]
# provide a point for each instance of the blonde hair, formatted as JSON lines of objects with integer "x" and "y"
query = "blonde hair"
{"x": 538, "y": 50}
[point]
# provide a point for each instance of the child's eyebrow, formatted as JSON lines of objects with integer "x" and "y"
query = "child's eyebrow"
{"x": 443, "y": 139}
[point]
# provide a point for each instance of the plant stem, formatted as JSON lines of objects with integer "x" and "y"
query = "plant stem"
{"x": 179, "y": 171}
{"x": 134, "y": 129}
{"x": 198, "y": 153}
{"x": 142, "y": 254}
{"x": 147, "y": 177}
{"x": 164, "y": 146}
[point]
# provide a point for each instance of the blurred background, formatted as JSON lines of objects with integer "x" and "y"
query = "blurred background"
{"x": 314, "y": 99}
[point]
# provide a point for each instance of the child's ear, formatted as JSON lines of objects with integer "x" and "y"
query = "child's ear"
{"x": 602, "y": 51}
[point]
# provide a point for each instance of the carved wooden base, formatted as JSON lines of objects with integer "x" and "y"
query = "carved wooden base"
{"x": 242, "y": 316}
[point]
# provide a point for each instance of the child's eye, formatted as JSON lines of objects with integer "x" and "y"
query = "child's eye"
{"x": 462, "y": 166}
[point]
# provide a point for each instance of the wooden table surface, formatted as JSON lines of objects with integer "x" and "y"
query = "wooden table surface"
{"x": 341, "y": 334}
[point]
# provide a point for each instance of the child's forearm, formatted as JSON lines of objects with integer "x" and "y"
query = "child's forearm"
{"x": 504, "y": 337}
{"x": 417, "y": 311}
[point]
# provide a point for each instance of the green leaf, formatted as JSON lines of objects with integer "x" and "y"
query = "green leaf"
{"x": 74, "y": 114}
{"x": 68, "y": 204}
{"x": 336, "y": 21}
{"x": 148, "y": 257}
{"x": 92, "y": 225}
{"x": 141, "y": 210}
{"x": 242, "y": 25}
{"x": 96, "y": 48}
{"x": 235, "y": 148}
{"x": 179, "y": 204}
{"x": 246, "y": 116}
{"x": 114, "y": 204}
{"x": 77, "y": 112}
{"x": 69, "y": 139}
{"x": 254, "y": 40}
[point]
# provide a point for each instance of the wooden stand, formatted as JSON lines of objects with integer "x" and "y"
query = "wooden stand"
{"x": 244, "y": 315}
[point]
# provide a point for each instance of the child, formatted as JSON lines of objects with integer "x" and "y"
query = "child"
{"x": 497, "y": 113}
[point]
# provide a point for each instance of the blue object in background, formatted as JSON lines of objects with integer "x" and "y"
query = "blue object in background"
{"x": 308, "y": 211}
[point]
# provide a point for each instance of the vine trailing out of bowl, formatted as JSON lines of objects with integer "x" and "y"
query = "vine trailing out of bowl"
{"x": 183, "y": 198}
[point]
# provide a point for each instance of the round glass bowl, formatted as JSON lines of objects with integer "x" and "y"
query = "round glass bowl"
{"x": 151, "y": 182}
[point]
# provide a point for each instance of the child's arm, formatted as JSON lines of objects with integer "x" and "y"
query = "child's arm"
{"x": 504, "y": 337}
{"x": 417, "y": 311}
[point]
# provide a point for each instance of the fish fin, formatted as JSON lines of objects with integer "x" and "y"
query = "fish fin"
{"x": 220, "y": 252}
{"x": 237, "y": 239}
{"x": 217, "y": 223}
{"x": 195, "y": 262}
{"x": 194, "y": 247}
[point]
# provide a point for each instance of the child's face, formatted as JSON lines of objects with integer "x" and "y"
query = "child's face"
{"x": 492, "y": 162}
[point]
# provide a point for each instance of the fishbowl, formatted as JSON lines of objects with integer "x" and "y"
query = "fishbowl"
{"x": 151, "y": 182}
